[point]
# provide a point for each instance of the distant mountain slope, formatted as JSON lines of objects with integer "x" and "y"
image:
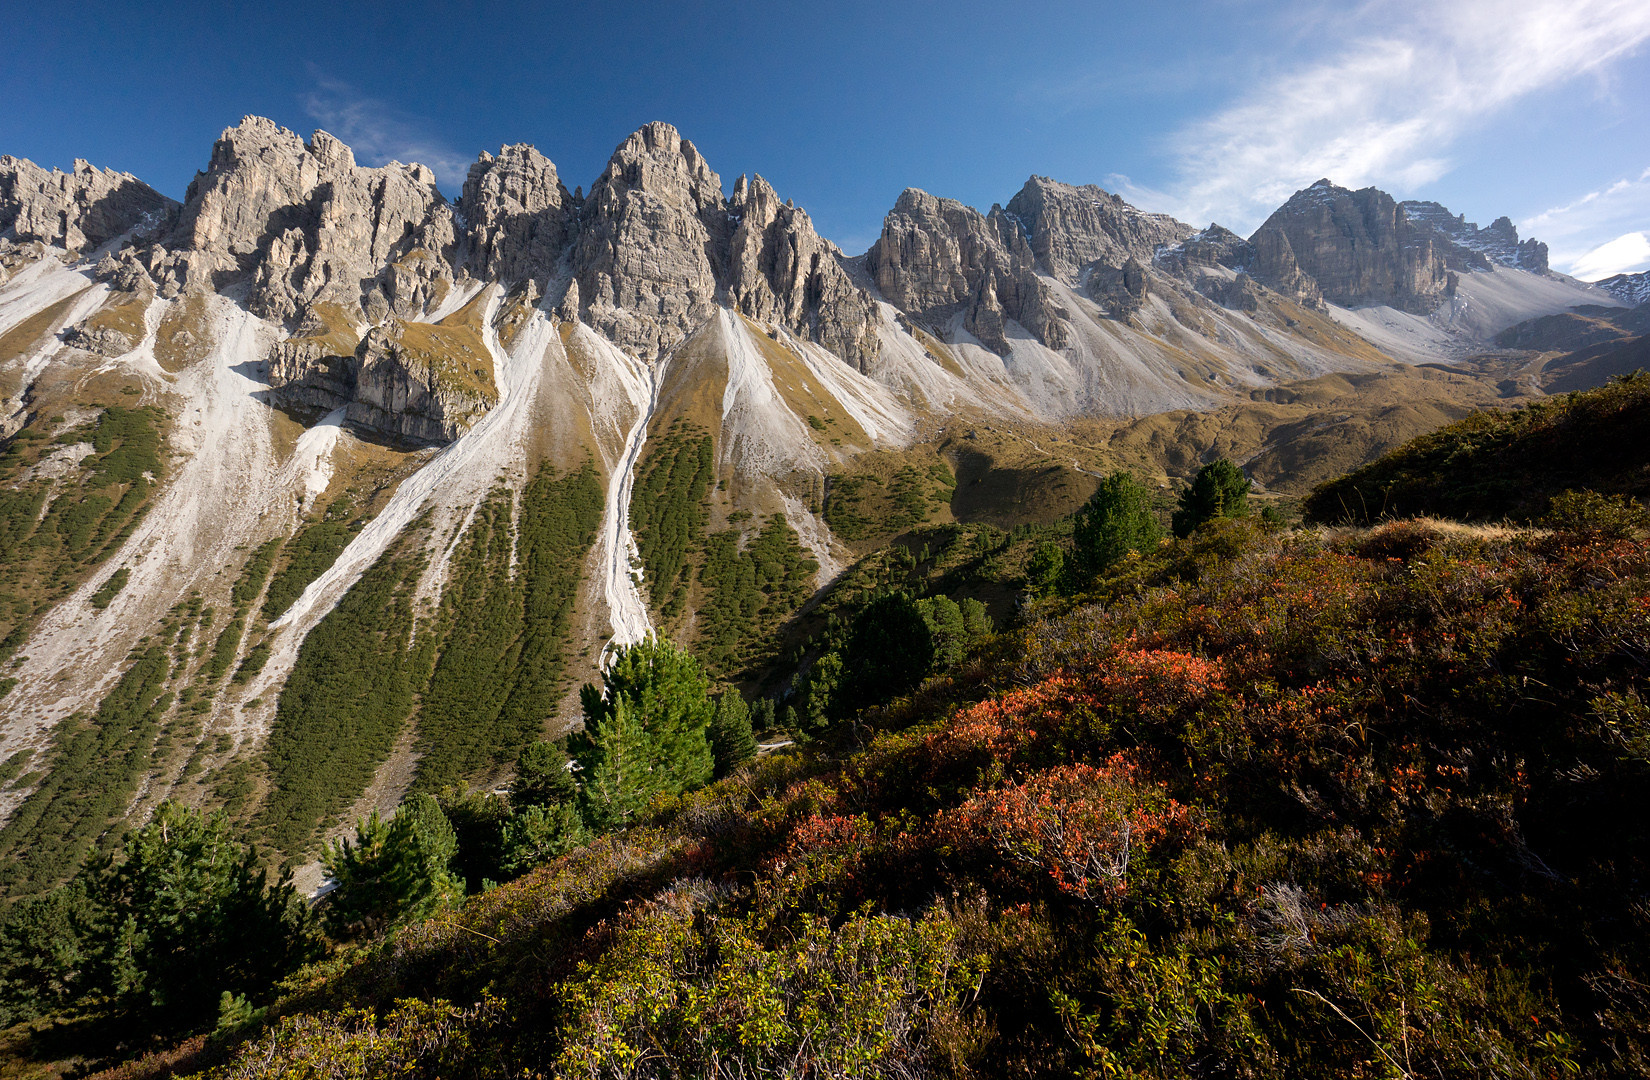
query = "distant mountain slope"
{"x": 1505, "y": 463}
{"x": 1630, "y": 289}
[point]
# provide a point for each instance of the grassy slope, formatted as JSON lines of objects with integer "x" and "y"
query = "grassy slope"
{"x": 1507, "y": 463}
{"x": 1341, "y": 800}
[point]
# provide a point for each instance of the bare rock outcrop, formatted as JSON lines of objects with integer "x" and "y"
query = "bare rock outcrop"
{"x": 1359, "y": 247}
{"x": 305, "y": 224}
{"x": 424, "y": 390}
{"x": 418, "y": 381}
{"x": 1216, "y": 261}
{"x": 651, "y": 234}
{"x": 517, "y": 216}
{"x": 780, "y": 270}
{"x": 79, "y": 210}
{"x": 1630, "y": 289}
{"x": 1071, "y": 228}
{"x": 1121, "y": 290}
{"x": 1467, "y": 247}
{"x": 936, "y": 257}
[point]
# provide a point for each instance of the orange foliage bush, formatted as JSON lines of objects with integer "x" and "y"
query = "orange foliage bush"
{"x": 1080, "y": 824}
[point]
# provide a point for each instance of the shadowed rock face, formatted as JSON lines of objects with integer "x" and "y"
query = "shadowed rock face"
{"x": 937, "y": 257}
{"x": 1072, "y": 228}
{"x": 780, "y": 270}
{"x": 309, "y": 225}
{"x": 517, "y": 215}
{"x": 77, "y": 210}
{"x": 1358, "y": 246}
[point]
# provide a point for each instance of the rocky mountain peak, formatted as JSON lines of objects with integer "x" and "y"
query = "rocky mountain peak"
{"x": 1072, "y": 227}
{"x": 652, "y": 234}
{"x": 1467, "y": 247}
{"x": 1630, "y": 289}
{"x": 308, "y": 225}
{"x": 781, "y": 270}
{"x": 517, "y": 214}
{"x": 657, "y": 160}
{"x": 79, "y": 209}
{"x": 937, "y": 257}
{"x": 1359, "y": 247}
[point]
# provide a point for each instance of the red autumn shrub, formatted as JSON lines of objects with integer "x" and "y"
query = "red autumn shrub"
{"x": 1080, "y": 824}
{"x": 1159, "y": 681}
{"x": 995, "y": 731}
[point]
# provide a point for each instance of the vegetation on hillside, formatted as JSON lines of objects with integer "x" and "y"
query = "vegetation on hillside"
{"x": 1252, "y": 801}
{"x": 667, "y": 513}
{"x": 310, "y": 553}
{"x": 748, "y": 592}
{"x": 56, "y": 530}
{"x": 1505, "y": 464}
{"x": 1257, "y": 803}
{"x": 483, "y": 674}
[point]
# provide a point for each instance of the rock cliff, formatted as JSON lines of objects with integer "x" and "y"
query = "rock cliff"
{"x": 77, "y": 210}
{"x": 1467, "y": 247}
{"x": 418, "y": 381}
{"x": 780, "y": 270}
{"x": 306, "y": 225}
{"x": 1359, "y": 247}
{"x": 651, "y": 235}
{"x": 1071, "y": 228}
{"x": 517, "y": 216}
{"x": 937, "y": 257}
{"x": 1630, "y": 289}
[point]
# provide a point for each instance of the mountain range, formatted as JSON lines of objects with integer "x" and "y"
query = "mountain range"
{"x": 319, "y": 484}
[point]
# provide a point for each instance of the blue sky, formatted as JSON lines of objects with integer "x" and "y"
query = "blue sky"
{"x": 1211, "y": 111}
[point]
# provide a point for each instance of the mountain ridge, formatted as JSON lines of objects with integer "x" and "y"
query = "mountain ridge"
{"x": 354, "y": 378}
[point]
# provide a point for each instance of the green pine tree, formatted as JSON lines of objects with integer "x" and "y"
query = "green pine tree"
{"x": 667, "y": 692}
{"x": 820, "y": 691}
{"x": 1045, "y": 568}
{"x": 538, "y": 834}
{"x": 731, "y": 740}
{"x": 947, "y": 629}
{"x": 186, "y": 914}
{"x": 1219, "y": 490}
{"x": 615, "y": 777}
{"x": 1117, "y": 519}
{"x": 392, "y": 871}
{"x": 542, "y": 776}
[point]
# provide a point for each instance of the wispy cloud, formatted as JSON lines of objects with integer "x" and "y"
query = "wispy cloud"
{"x": 1388, "y": 105}
{"x": 1626, "y": 254}
{"x": 1618, "y": 211}
{"x": 380, "y": 133}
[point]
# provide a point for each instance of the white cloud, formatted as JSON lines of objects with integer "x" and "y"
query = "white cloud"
{"x": 1626, "y": 254}
{"x": 1386, "y": 108}
{"x": 378, "y": 133}
{"x": 1614, "y": 214}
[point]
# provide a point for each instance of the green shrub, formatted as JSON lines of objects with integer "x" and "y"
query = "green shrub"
{"x": 1219, "y": 490}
